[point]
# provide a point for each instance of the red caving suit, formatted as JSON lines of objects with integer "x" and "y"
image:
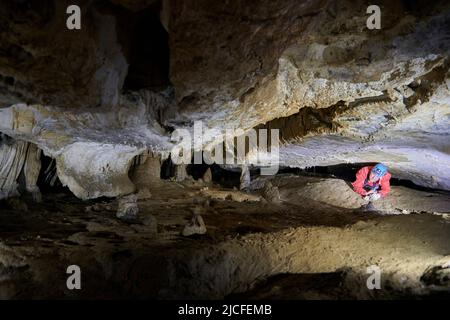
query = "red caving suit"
{"x": 362, "y": 180}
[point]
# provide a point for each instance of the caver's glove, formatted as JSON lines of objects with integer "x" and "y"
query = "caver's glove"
{"x": 374, "y": 196}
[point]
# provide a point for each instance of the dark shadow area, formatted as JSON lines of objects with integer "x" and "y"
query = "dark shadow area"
{"x": 197, "y": 171}
{"x": 48, "y": 181}
{"x": 226, "y": 178}
{"x": 149, "y": 53}
{"x": 298, "y": 286}
{"x": 167, "y": 169}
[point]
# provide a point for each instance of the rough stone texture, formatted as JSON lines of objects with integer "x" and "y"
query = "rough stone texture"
{"x": 362, "y": 95}
{"x": 339, "y": 92}
{"x": 271, "y": 193}
{"x": 146, "y": 170}
{"x": 18, "y": 157}
{"x": 128, "y": 208}
{"x": 31, "y": 169}
{"x": 245, "y": 178}
{"x": 93, "y": 150}
{"x": 180, "y": 172}
{"x": 41, "y": 61}
{"x": 195, "y": 226}
{"x": 247, "y": 242}
{"x": 12, "y": 158}
{"x": 221, "y": 51}
{"x": 207, "y": 176}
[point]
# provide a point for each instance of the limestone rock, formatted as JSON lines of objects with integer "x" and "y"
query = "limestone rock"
{"x": 92, "y": 159}
{"x": 31, "y": 169}
{"x": 128, "y": 208}
{"x": 16, "y": 157}
{"x": 12, "y": 158}
{"x": 245, "y": 181}
{"x": 339, "y": 92}
{"x": 180, "y": 172}
{"x": 195, "y": 226}
{"x": 207, "y": 176}
{"x": 146, "y": 170}
{"x": 271, "y": 193}
{"x": 47, "y": 63}
{"x": 344, "y": 93}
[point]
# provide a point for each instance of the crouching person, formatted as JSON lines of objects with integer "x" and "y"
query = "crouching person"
{"x": 372, "y": 183}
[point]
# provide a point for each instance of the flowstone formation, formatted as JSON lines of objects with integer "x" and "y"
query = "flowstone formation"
{"x": 337, "y": 91}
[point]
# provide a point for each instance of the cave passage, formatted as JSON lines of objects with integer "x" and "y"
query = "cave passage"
{"x": 149, "y": 52}
{"x": 229, "y": 178}
{"x": 347, "y": 172}
{"x": 89, "y": 118}
{"x": 48, "y": 181}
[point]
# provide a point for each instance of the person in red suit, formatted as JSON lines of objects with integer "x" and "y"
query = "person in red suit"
{"x": 372, "y": 182}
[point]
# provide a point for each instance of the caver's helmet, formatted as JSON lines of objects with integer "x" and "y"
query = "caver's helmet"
{"x": 379, "y": 170}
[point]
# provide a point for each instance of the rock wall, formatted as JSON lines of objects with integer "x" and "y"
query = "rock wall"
{"x": 41, "y": 61}
{"x": 338, "y": 91}
{"x": 93, "y": 150}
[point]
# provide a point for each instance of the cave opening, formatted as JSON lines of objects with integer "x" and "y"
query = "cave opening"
{"x": 48, "y": 180}
{"x": 167, "y": 169}
{"x": 149, "y": 52}
{"x": 196, "y": 171}
{"x": 347, "y": 172}
{"x": 230, "y": 177}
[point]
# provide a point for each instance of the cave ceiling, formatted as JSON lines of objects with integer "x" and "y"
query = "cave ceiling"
{"x": 339, "y": 93}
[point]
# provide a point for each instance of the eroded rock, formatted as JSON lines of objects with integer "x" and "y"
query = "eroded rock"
{"x": 271, "y": 193}
{"x": 207, "y": 176}
{"x": 128, "y": 208}
{"x": 195, "y": 226}
{"x": 338, "y": 91}
{"x": 50, "y": 64}
{"x": 180, "y": 172}
{"x": 245, "y": 181}
{"x": 18, "y": 157}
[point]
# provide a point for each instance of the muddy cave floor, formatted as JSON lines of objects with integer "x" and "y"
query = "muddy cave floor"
{"x": 315, "y": 244}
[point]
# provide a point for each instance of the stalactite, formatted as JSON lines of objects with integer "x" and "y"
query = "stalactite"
{"x": 16, "y": 157}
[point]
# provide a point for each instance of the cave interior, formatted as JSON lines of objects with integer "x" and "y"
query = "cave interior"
{"x": 90, "y": 118}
